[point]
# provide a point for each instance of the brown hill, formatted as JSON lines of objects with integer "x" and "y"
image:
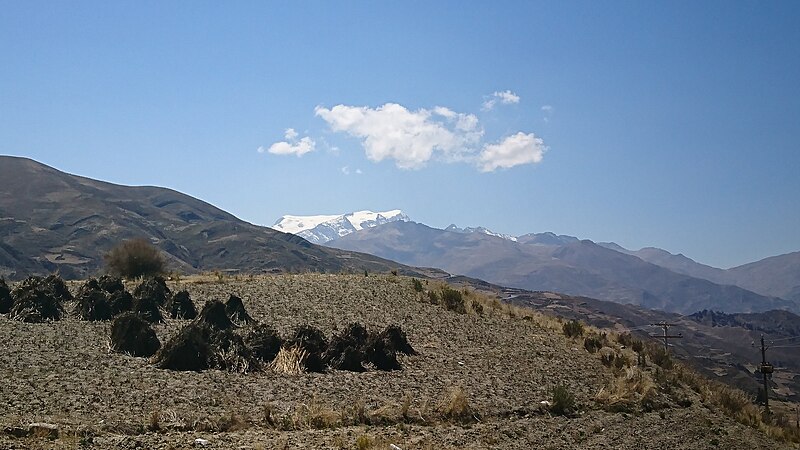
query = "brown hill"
{"x": 51, "y": 221}
{"x": 478, "y": 381}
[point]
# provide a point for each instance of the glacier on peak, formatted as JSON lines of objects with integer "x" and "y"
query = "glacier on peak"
{"x": 323, "y": 228}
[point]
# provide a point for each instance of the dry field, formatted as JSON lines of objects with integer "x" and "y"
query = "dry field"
{"x": 478, "y": 382}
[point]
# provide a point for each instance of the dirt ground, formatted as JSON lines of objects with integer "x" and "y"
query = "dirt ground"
{"x": 63, "y": 373}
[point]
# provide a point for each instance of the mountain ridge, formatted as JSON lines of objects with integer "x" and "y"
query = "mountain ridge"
{"x": 578, "y": 267}
{"x": 53, "y": 221}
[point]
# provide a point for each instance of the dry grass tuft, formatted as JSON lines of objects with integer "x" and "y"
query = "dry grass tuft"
{"x": 633, "y": 387}
{"x": 455, "y": 406}
{"x": 289, "y": 361}
{"x": 315, "y": 415}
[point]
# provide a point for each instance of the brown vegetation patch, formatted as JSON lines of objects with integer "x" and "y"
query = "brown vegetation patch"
{"x": 35, "y": 300}
{"x": 93, "y": 305}
{"x": 133, "y": 335}
{"x": 5, "y": 297}
{"x": 180, "y": 306}
{"x": 234, "y": 308}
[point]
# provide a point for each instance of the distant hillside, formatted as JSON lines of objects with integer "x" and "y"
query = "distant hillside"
{"x": 52, "y": 221}
{"x": 572, "y": 267}
{"x": 776, "y": 276}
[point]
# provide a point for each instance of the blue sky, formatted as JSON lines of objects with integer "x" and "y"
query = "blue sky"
{"x": 670, "y": 124}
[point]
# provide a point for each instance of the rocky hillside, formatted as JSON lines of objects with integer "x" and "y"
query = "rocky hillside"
{"x": 51, "y": 221}
{"x": 489, "y": 376}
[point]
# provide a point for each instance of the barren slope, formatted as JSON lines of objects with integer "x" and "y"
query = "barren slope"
{"x": 63, "y": 373}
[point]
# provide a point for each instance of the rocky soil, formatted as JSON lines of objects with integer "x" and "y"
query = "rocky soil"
{"x": 64, "y": 373}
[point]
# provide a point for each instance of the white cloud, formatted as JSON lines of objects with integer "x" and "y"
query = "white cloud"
{"x": 291, "y": 146}
{"x": 410, "y": 138}
{"x": 505, "y": 97}
{"x": 512, "y": 151}
{"x": 290, "y": 134}
{"x": 548, "y": 111}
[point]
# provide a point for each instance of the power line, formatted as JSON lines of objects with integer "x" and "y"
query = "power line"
{"x": 666, "y": 336}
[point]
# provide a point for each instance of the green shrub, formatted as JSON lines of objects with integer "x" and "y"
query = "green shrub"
{"x": 592, "y": 344}
{"x": 417, "y": 285}
{"x": 660, "y": 357}
{"x": 433, "y": 297}
{"x": 573, "y": 328}
{"x": 453, "y": 300}
{"x": 135, "y": 258}
{"x": 563, "y": 401}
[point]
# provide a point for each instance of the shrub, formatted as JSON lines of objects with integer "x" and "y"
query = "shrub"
{"x": 453, "y": 300}
{"x": 573, "y": 328}
{"x": 455, "y": 406}
{"x": 592, "y": 344}
{"x": 35, "y": 301}
{"x": 660, "y": 357}
{"x": 563, "y": 401}
{"x": 477, "y": 307}
{"x": 5, "y": 297}
{"x": 417, "y": 284}
{"x": 131, "y": 334}
{"x": 433, "y": 297}
{"x": 135, "y": 258}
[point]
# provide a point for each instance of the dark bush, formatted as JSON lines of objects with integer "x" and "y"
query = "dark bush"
{"x": 381, "y": 353}
{"x": 131, "y": 334}
{"x": 433, "y": 297}
{"x": 110, "y": 284}
{"x": 563, "y": 401}
{"x": 188, "y": 350}
{"x": 234, "y": 308}
{"x": 88, "y": 286}
{"x": 154, "y": 288}
{"x": 453, "y": 300}
{"x": 592, "y": 344}
{"x": 135, "y": 258}
{"x": 417, "y": 285}
{"x": 56, "y": 287}
{"x": 213, "y": 315}
{"x": 573, "y": 328}
{"x": 120, "y": 301}
{"x": 313, "y": 341}
{"x": 263, "y": 341}
{"x": 93, "y": 305}
{"x": 147, "y": 307}
{"x": 5, "y": 297}
{"x": 229, "y": 352}
{"x": 180, "y": 306}
{"x": 35, "y": 301}
{"x": 345, "y": 351}
{"x": 396, "y": 338}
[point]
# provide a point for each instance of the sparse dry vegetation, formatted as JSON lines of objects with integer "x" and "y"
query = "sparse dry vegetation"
{"x": 480, "y": 374}
{"x": 135, "y": 258}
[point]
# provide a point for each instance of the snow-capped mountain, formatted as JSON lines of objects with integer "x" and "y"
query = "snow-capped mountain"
{"x": 483, "y": 230}
{"x": 324, "y": 228}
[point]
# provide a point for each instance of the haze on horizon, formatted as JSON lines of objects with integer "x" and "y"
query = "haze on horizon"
{"x": 666, "y": 124}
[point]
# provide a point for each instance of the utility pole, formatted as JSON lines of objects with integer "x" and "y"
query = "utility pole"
{"x": 766, "y": 369}
{"x": 666, "y": 336}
